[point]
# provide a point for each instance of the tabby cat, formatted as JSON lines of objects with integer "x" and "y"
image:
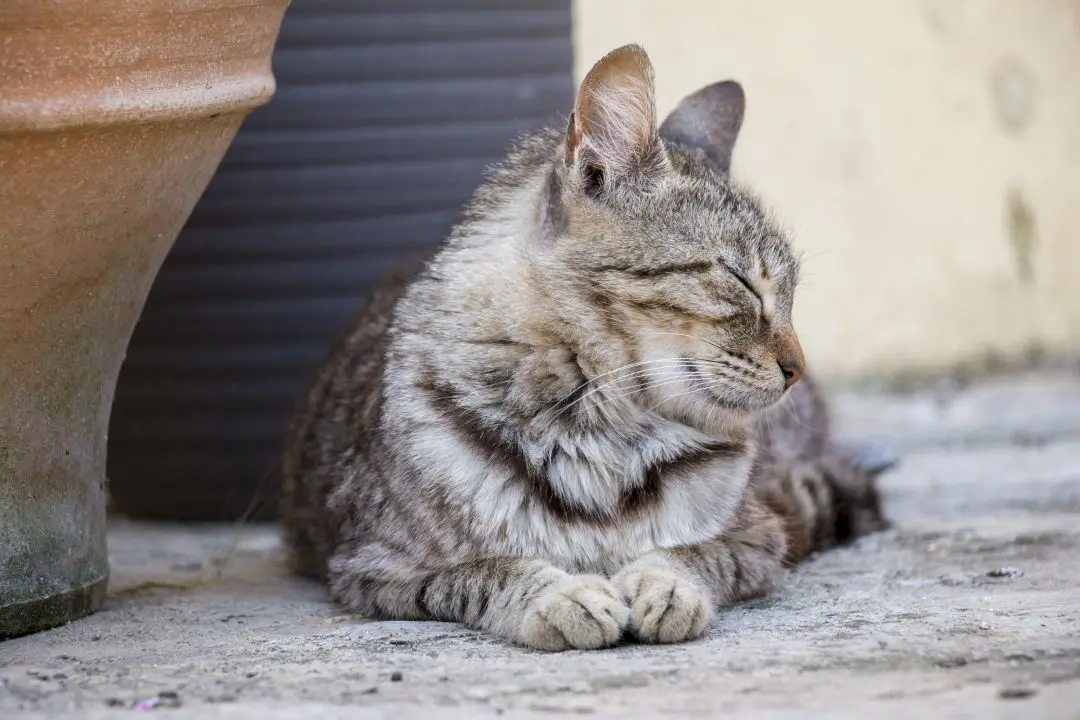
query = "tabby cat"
{"x": 584, "y": 417}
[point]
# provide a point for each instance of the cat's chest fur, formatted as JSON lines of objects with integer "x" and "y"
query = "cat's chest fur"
{"x": 587, "y": 501}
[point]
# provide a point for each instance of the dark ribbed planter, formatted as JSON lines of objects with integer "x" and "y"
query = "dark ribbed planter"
{"x": 114, "y": 115}
{"x": 385, "y": 116}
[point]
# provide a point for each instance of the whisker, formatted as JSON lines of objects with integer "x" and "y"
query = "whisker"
{"x": 652, "y": 386}
{"x": 621, "y": 368}
{"x": 702, "y": 377}
{"x": 747, "y": 366}
{"x": 793, "y": 413}
{"x": 660, "y": 372}
{"x": 600, "y": 388}
{"x": 679, "y": 376}
{"x": 696, "y": 388}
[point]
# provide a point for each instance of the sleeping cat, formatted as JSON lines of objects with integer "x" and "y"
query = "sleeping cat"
{"x": 585, "y": 416}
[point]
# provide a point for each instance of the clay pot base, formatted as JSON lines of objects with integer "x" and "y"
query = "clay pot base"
{"x": 30, "y": 616}
{"x": 110, "y": 129}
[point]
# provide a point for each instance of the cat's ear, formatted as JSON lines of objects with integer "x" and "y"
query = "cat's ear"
{"x": 708, "y": 120}
{"x": 612, "y": 131}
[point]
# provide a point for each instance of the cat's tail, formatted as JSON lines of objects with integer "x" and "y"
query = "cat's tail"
{"x": 303, "y": 529}
{"x": 306, "y": 555}
{"x": 829, "y": 501}
{"x": 870, "y": 456}
{"x": 304, "y": 560}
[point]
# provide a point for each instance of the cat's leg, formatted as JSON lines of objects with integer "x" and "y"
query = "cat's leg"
{"x": 526, "y": 601}
{"x": 787, "y": 513}
{"x": 825, "y": 502}
{"x": 672, "y": 592}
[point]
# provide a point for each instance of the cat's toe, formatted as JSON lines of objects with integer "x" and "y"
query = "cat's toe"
{"x": 583, "y": 612}
{"x": 664, "y": 607}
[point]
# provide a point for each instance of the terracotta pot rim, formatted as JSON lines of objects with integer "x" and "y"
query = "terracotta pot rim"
{"x": 103, "y": 109}
{"x": 79, "y": 63}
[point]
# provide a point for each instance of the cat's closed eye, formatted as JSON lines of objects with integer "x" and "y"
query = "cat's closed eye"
{"x": 745, "y": 283}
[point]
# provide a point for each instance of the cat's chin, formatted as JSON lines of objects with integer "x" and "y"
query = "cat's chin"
{"x": 747, "y": 407}
{"x": 712, "y": 414}
{"x": 743, "y": 403}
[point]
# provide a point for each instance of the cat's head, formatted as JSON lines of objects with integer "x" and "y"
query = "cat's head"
{"x": 684, "y": 272}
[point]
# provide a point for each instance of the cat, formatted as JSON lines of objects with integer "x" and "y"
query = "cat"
{"x": 584, "y": 418}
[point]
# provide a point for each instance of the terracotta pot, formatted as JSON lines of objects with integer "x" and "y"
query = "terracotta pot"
{"x": 114, "y": 114}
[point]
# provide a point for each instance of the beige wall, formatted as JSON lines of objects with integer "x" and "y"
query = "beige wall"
{"x": 924, "y": 154}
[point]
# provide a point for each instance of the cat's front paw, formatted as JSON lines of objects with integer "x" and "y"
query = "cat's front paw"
{"x": 664, "y": 606}
{"x": 582, "y": 612}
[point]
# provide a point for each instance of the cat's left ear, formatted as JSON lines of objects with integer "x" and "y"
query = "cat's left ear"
{"x": 708, "y": 120}
{"x": 612, "y": 133}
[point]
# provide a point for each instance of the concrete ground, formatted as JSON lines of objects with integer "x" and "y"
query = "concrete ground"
{"x": 970, "y": 607}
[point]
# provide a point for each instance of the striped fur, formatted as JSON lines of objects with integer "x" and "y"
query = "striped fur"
{"x": 569, "y": 424}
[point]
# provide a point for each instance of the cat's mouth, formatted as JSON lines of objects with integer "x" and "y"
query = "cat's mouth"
{"x": 694, "y": 370}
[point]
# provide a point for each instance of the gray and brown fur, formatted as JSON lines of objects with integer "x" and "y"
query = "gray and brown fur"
{"x": 580, "y": 418}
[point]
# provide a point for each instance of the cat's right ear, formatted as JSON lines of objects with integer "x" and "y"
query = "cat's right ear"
{"x": 612, "y": 133}
{"x": 708, "y": 120}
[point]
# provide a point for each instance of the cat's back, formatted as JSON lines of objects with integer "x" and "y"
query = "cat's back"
{"x": 334, "y": 425}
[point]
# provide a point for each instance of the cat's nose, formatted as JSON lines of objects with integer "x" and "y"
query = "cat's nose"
{"x": 792, "y": 369}
{"x": 790, "y": 358}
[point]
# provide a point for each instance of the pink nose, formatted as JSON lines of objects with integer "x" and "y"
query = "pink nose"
{"x": 790, "y": 358}
{"x": 792, "y": 369}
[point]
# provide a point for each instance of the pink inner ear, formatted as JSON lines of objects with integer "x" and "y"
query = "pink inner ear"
{"x": 573, "y": 140}
{"x": 615, "y": 110}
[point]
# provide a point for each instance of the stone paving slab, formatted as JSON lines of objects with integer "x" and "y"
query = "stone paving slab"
{"x": 969, "y": 607}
